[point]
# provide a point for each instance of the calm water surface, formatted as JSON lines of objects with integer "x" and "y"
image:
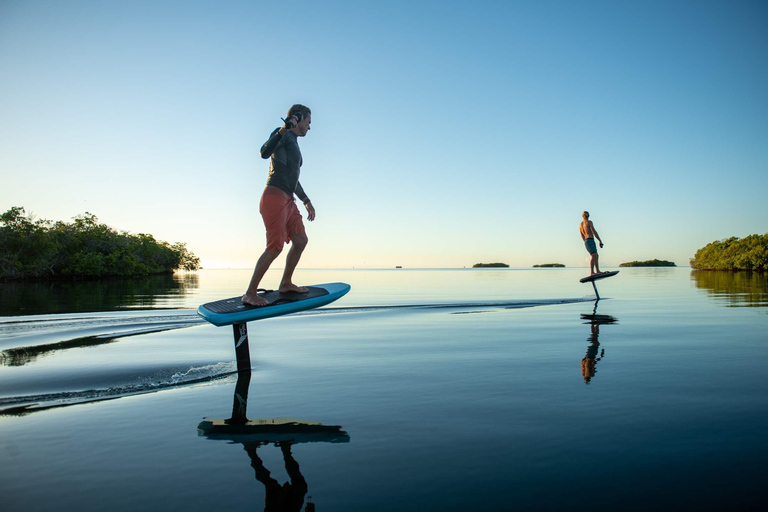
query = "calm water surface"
{"x": 436, "y": 390}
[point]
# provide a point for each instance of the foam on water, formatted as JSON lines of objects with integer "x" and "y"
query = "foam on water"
{"x": 16, "y": 405}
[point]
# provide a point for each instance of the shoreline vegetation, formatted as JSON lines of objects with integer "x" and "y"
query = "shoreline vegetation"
{"x": 549, "y": 265}
{"x": 648, "y": 263}
{"x": 490, "y": 265}
{"x": 749, "y": 253}
{"x": 82, "y": 249}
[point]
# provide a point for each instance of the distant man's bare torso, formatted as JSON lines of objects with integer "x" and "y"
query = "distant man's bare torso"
{"x": 586, "y": 229}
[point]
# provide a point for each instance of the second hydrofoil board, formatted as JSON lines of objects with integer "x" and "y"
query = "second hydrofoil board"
{"x": 595, "y": 277}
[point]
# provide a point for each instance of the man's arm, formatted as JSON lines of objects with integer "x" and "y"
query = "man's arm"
{"x": 307, "y": 203}
{"x": 269, "y": 147}
{"x": 594, "y": 232}
{"x": 274, "y": 139}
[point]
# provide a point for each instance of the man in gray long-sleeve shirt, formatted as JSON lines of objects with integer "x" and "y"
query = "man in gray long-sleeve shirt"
{"x": 278, "y": 207}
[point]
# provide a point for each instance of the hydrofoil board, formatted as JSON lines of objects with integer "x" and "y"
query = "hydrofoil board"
{"x": 233, "y": 311}
{"x": 595, "y": 277}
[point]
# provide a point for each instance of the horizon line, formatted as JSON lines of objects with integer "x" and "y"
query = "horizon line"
{"x": 428, "y": 268}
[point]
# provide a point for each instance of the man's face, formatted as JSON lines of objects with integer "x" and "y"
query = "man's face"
{"x": 303, "y": 127}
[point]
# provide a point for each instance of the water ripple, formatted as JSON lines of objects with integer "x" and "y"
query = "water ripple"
{"x": 39, "y": 370}
{"x": 20, "y": 405}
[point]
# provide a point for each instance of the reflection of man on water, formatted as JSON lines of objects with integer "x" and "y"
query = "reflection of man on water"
{"x": 589, "y": 362}
{"x": 288, "y": 497}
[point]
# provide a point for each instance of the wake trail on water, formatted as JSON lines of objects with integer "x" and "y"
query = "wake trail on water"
{"x": 39, "y": 369}
{"x": 20, "y": 405}
{"x": 67, "y": 379}
{"x": 26, "y": 331}
{"x": 38, "y": 330}
{"x": 515, "y": 304}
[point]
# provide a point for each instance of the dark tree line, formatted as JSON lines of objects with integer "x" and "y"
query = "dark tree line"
{"x": 83, "y": 248}
{"x": 748, "y": 253}
{"x": 648, "y": 263}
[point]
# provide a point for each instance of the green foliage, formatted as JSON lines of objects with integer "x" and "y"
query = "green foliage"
{"x": 649, "y": 263}
{"x": 748, "y": 253}
{"x": 32, "y": 248}
{"x": 549, "y": 265}
{"x": 490, "y": 265}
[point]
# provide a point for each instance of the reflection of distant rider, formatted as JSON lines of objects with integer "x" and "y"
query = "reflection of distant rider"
{"x": 588, "y": 369}
{"x": 288, "y": 497}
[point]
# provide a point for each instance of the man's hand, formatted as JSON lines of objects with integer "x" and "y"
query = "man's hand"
{"x": 291, "y": 122}
{"x": 601, "y": 245}
{"x": 310, "y": 211}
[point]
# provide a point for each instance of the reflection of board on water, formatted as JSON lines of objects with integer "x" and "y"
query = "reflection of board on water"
{"x": 597, "y": 319}
{"x": 284, "y": 433}
{"x": 240, "y": 429}
{"x": 595, "y": 277}
{"x": 272, "y": 431}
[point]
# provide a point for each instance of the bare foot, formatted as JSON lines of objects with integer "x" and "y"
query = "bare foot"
{"x": 292, "y": 288}
{"x": 254, "y": 300}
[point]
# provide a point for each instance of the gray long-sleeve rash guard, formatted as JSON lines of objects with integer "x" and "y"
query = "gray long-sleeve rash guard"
{"x": 285, "y": 166}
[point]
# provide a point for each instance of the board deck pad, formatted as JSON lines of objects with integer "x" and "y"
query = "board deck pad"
{"x": 595, "y": 277}
{"x": 232, "y": 311}
{"x": 274, "y": 297}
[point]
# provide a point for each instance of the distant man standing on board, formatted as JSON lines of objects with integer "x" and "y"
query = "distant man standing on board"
{"x": 278, "y": 206}
{"x": 588, "y": 234}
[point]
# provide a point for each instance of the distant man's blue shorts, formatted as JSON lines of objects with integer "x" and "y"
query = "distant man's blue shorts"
{"x": 589, "y": 243}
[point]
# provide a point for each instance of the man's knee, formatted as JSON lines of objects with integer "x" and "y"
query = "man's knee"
{"x": 299, "y": 240}
{"x": 271, "y": 254}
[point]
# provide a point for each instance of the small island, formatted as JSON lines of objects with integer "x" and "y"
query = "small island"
{"x": 490, "y": 265}
{"x": 549, "y": 265}
{"x": 33, "y": 249}
{"x": 749, "y": 253}
{"x": 649, "y": 263}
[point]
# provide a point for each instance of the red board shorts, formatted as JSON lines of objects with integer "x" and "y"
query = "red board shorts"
{"x": 281, "y": 217}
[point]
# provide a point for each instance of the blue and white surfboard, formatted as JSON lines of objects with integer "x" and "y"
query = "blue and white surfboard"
{"x": 233, "y": 311}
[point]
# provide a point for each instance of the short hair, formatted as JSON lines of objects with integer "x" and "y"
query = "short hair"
{"x": 298, "y": 109}
{"x": 586, "y": 214}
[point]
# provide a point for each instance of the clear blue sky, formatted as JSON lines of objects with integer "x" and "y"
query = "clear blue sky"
{"x": 443, "y": 133}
